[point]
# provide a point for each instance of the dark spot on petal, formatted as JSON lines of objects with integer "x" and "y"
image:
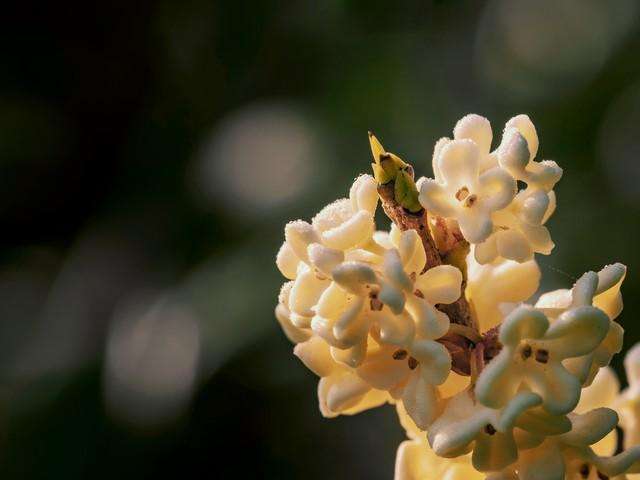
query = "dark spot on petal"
{"x": 413, "y": 363}
{"x": 602, "y": 476}
{"x": 418, "y": 293}
{"x": 526, "y": 352}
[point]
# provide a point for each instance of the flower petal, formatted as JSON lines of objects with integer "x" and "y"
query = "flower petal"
{"x": 435, "y": 361}
{"x": 494, "y": 452}
{"x": 523, "y": 124}
{"x": 435, "y": 198}
{"x": 542, "y": 463}
{"x": 287, "y": 261}
{"x": 475, "y": 225}
{"x": 476, "y": 128}
{"x": 293, "y": 333}
{"x": 354, "y": 277}
{"x": 576, "y": 332}
{"x": 497, "y": 189}
{"x": 323, "y": 258}
{"x": 534, "y": 207}
{"x": 458, "y": 164}
{"x": 430, "y": 323}
{"x": 524, "y": 322}
{"x": 560, "y": 391}
{"x": 306, "y": 292}
{"x": 364, "y": 194}
{"x": 420, "y": 400}
{"x": 315, "y": 354}
{"x": 487, "y": 251}
{"x": 441, "y": 284}
{"x": 513, "y": 245}
{"x": 590, "y": 427}
{"x": 412, "y": 252}
{"x": 498, "y": 381}
{"x": 395, "y": 329}
{"x": 299, "y": 235}
{"x": 351, "y": 233}
{"x": 340, "y": 392}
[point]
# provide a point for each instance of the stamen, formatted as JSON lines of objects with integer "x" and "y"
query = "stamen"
{"x": 489, "y": 429}
{"x": 462, "y": 194}
{"x": 470, "y": 200}
{"x": 400, "y": 354}
{"x": 526, "y": 352}
{"x": 542, "y": 356}
{"x": 413, "y": 363}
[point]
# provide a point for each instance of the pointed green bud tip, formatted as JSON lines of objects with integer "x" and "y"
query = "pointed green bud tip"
{"x": 405, "y": 191}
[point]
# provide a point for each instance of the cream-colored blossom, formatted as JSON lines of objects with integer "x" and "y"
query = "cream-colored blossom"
{"x": 517, "y": 151}
{"x": 466, "y": 425}
{"x": 463, "y": 193}
{"x": 603, "y": 392}
{"x": 415, "y": 460}
{"x": 532, "y": 355}
{"x": 571, "y": 455}
{"x": 495, "y": 289}
{"x": 602, "y": 291}
{"x": 340, "y": 390}
{"x": 628, "y": 404}
{"x": 519, "y": 229}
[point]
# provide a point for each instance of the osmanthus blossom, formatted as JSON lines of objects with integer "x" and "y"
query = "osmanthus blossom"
{"x": 515, "y": 230}
{"x": 463, "y": 193}
{"x": 415, "y": 460}
{"x": 628, "y": 403}
{"x": 532, "y": 354}
{"x": 340, "y": 390}
{"x": 603, "y": 392}
{"x": 365, "y": 310}
{"x": 407, "y": 361}
{"x": 602, "y": 291}
{"x": 466, "y": 424}
{"x": 571, "y": 456}
{"x": 495, "y": 289}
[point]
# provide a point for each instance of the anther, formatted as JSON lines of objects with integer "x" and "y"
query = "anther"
{"x": 526, "y": 352}
{"x": 470, "y": 200}
{"x": 542, "y": 356}
{"x": 489, "y": 430}
{"x": 584, "y": 470}
{"x": 399, "y": 354}
{"x": 462, "y": 194}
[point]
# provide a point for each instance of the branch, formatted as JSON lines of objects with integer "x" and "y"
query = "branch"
{"x": 459, "y": 311}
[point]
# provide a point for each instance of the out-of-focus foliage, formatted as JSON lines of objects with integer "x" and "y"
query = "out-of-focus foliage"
{"x": 150, "y": 153}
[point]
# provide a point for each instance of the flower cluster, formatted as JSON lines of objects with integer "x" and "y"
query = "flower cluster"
{"x": 486, "y": 385}
{"x": 478, "y": 189}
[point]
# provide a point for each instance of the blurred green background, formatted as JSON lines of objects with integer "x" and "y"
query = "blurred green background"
{"x": 150, "y": 154}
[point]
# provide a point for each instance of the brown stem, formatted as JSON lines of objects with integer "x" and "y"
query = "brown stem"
{"x": 459, "y": 311}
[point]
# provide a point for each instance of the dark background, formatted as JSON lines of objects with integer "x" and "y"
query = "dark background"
{"x": 150, "y": 154}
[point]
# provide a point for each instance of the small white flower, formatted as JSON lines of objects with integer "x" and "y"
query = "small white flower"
{"x": 416, "y": 460}
{"x": 628, "y": 404}
{"x": 466, "y": 424}
{"x": 570, "y": 455}
{"x": 340, "y": 390}
{"x": 463, "y": 193}
{"x": 517, "y": 151}
{"x": 602, "y": 291}
{"x": 495, "y": 289}
{"x": 519, "y": 229}
{"x": 603, "y": 392}
{"x": 532, "y": 356}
